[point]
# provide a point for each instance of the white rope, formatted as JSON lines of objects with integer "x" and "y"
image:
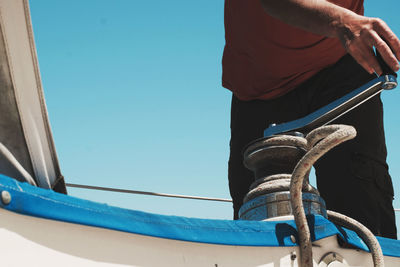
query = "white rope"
{"x": 320, "y": 141}
{"x": 10, "y": 157}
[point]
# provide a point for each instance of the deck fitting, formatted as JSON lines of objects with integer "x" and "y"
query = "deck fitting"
{"x": 5, "y": 197}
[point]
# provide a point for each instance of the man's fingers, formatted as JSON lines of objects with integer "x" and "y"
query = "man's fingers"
{"x": 369, "y": 33}
{"x": 385, "y": 51}
{"x": 383, "y": 30}
{"x": 373, "y": 62}
{"x": 365, "y": 56}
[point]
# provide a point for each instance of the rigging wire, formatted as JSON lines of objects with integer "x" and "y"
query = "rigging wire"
{"x": 145, "y": 193}
{"x": 136, "y": 192}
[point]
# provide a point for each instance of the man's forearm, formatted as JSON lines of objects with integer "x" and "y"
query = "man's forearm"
{"x": 317, "y": 16}
{"x": 358, "y": 34}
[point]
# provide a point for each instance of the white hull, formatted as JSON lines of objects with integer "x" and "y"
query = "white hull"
{"x": 30, "y": 241}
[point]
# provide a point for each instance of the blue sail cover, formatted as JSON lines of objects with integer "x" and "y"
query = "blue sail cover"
{"x": 44, "y": 203}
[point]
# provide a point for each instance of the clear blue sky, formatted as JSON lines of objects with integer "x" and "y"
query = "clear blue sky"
{"x": 135, "y": 99}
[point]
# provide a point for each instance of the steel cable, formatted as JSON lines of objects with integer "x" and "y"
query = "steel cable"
{"x": 137, "y": 192}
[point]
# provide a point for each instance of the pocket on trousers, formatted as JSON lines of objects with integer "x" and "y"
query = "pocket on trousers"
{"x": 368, "y": 169}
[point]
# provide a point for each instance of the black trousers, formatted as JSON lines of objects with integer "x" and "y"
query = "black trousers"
{"x": 352, "y": 178}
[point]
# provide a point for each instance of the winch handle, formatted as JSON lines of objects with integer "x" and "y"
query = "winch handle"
{"x": 339, "y": 107}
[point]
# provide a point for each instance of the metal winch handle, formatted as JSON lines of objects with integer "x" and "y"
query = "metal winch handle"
{"x": 339, "y": 107}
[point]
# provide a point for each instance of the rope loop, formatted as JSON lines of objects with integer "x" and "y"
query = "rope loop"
{"x": 319, "y": 142}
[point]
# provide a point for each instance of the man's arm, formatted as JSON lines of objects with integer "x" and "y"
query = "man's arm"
{"x": 358, "y": 34}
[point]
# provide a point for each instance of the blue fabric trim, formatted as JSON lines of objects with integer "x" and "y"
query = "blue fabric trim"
{"x": 43, "y": 203}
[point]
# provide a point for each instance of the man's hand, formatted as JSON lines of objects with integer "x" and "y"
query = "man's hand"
{"x": 358, "y": 34}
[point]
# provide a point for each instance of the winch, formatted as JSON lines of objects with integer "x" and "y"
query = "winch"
{"x": 273, "y": 160}
{"x": 274, "y": 157}
{"x": 281, "y": 162}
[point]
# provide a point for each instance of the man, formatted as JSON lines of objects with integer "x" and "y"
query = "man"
{"x": 284, "y": 59}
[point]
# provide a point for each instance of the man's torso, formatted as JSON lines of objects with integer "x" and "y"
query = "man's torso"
{"x": 265, "y": 58}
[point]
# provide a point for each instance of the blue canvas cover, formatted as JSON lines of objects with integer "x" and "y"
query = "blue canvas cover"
{"x": 48, "y": 204}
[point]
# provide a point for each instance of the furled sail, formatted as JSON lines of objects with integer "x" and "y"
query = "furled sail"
{"x": 27, "y": 150}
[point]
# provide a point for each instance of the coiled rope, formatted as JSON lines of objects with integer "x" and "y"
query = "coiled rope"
{"x": 320, "y": 141}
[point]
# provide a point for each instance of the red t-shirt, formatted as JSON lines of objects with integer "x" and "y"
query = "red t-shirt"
{"x": 265, "y": 58}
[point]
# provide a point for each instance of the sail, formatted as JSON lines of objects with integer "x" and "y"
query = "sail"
{"x": 26, "y": 143}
